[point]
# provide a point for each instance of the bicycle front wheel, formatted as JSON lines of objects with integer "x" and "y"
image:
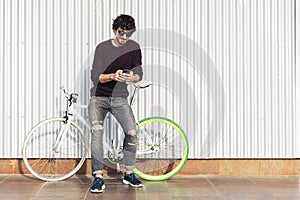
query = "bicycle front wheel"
{"x": 163, "y": 149}
{"x": 54, "y": 150}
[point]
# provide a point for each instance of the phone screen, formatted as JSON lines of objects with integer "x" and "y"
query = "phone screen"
{"x": 127, "y": 71}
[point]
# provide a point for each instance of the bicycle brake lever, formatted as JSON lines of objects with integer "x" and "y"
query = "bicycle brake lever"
{"x": 74, "y": 97}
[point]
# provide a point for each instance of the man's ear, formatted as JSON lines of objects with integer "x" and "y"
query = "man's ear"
{"x": 115, "y": 31}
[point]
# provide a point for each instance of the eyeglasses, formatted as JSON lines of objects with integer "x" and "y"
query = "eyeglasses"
{"x": 128, "y": 34}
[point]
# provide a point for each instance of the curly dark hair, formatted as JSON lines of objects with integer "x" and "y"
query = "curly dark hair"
{"x": 126, "y": 22}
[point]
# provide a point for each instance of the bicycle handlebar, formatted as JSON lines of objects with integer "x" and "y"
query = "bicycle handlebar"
{"x": 72, "y": 98}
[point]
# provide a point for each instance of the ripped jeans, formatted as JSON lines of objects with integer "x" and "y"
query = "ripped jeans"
{"x": 121, "y": 110}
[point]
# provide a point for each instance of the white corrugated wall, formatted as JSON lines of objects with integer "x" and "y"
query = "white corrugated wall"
{"x": 224, "y": 70}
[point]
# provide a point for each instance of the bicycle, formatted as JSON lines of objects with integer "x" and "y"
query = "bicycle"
{"x": 56, "y": 148}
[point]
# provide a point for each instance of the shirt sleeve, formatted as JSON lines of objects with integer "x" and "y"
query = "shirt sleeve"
{"x": 98, "y": 66}
{"x": 137, "y": 63}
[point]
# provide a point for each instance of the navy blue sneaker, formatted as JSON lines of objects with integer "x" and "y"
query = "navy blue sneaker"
{"x": 130, "y": 179}
{"x": 98, "y": 185}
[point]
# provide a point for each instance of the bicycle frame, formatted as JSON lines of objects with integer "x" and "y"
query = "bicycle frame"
{"x": 71, "y": 114}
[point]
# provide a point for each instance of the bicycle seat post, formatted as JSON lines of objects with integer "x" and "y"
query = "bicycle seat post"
{"x": 133, "y": 94}
{"x": 136, "y": 88}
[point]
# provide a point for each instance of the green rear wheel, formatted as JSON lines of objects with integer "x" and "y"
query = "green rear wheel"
{"x": 163, "y": 149}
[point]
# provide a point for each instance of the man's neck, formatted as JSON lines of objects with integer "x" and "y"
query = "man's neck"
{"x": 115, "y": 43}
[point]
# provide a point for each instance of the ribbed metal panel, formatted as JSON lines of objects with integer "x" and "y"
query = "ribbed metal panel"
{"x": 223, "y": 70}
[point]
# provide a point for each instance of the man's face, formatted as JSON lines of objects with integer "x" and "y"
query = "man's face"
{"x": 122, "y": 36}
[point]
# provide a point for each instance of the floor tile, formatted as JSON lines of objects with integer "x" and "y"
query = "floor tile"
{"x": 107, "y": 196}
{"x": 3, "y": 177}
{"x": 279, "y": 186}
{"x": 79, "y": 178}
{"x": 249, "y": 197}
{"x": 287, "y": 198}
{"x": 233, "y": 181}
{"x": 152, "y": 196}
{"x": 60, "y": 190}
{"x": 198, "y": 198}
{"x": 23, "y": 179}
{"x": 274, "y": 182}
{"x": 17, "y": 188}
{"x": 16, "y": 196}
{"x": 285, "y": 191}
{"x": 154, "y": 187}
{"x": 57, "y": 197}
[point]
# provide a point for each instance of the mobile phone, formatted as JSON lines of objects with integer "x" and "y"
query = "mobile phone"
{"x": 126, "y": 71}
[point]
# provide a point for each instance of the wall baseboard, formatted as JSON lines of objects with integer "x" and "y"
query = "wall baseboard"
{"x": 233, "y": 167}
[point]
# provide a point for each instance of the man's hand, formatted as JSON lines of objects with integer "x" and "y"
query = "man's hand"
{"x": 119, "y": 76}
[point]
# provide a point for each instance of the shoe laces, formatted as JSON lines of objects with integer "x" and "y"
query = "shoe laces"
{"x": 133, "y": 178}
{"x": 98, "y": 182}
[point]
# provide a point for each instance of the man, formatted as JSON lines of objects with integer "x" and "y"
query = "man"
{"x": 116, "y": 62}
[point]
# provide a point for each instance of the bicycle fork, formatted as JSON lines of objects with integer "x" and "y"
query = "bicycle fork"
{"x": 59, "y": 137}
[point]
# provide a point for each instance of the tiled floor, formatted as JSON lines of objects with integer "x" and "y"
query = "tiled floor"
{"x": 180, "y": 187}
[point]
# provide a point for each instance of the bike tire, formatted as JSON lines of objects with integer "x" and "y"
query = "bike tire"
{"x": 172, "y": 149}
{"x": 48, "y": 164}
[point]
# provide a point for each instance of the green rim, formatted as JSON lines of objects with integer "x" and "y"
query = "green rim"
{"x": 183, "y": 158}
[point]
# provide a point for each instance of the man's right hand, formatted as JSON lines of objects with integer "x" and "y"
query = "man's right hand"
{"x": 119, "y": 76}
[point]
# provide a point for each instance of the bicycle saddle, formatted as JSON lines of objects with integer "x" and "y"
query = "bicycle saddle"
{"x": 142, "y": 84}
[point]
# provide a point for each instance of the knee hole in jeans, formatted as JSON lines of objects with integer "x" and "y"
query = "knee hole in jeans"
{"x": 132, "y": 132}
{"x": 97, "y": 127}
